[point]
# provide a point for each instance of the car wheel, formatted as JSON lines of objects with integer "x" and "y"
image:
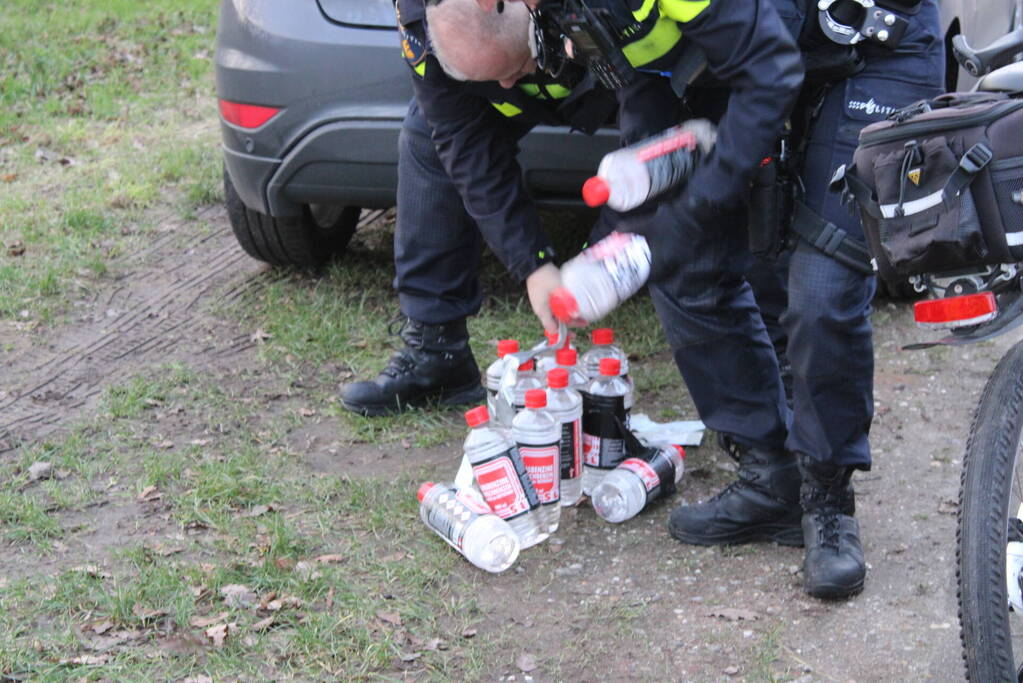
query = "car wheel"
{"x": 320, "y": 233}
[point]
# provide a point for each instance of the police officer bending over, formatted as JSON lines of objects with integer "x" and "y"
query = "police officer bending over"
{"x": 794, "y": 465}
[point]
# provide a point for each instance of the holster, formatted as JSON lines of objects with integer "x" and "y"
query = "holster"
{"x": 770, "y": 209}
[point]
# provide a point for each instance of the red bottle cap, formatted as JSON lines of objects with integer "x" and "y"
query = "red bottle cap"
{"x": 424, "y": 489}
{"x": 566, "y": 356}
{"x": 610, "y": 366}
{"x": 506, "y": 346}
{"x": 602, "y": 335}
{"x": 552, "y": 337}
{"x": 596, "y": 192}
{"x": 527, "y": 366}
{"x": 477, "y": 416}
{"x": 536, "y": 398}
{"x": 557, "y": 378}
{"x": 681, "y": 451}
{"x": 564, "y": 305}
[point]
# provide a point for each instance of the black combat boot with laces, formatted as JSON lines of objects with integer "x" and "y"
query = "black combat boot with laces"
{"x": 436, "y": 364}
{"x": 833, "y": 567}
{"x": 761, "y": 505}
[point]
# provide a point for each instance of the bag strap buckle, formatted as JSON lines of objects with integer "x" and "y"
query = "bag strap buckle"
{"x": 976, "y": 158}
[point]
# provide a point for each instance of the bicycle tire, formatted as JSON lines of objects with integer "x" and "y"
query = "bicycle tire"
{"x": 984, "y": 494}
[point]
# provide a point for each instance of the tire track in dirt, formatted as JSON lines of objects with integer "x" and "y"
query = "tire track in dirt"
{"x": 154, "y": 313}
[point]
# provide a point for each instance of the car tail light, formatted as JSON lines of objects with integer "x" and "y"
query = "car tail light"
{"x": 246, "y": 115}
{"x": 956, "y": 311}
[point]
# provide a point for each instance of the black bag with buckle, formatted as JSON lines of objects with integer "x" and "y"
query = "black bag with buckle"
{"x": 940, "y": 184}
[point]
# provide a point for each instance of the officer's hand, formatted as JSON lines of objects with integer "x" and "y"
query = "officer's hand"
{"x": 539, "y": 285}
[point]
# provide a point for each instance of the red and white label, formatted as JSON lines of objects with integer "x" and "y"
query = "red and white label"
{"x": 501, "y": 488}
{"x": 544, "y": 466}
{"x": 470, "y": 500}
{"x": 644, "y": 471}
{"x": 591, "y": 450}
{"x": 666, "y": 145}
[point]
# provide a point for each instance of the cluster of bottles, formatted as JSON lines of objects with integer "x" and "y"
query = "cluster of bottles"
{"x": 569, "y": 437}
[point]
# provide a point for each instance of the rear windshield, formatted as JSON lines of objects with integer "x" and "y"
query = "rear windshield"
{"x": 369, "y": 13}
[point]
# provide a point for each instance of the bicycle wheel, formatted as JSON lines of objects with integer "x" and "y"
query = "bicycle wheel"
{"x": 989, "y": 538}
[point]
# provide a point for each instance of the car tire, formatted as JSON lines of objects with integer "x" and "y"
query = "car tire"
{"x": 319, "y": 234}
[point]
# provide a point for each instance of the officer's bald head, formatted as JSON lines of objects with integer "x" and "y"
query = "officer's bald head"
{"x": 475, "y": 45}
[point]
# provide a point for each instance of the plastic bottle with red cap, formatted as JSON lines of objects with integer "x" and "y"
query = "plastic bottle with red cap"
{"x": 565, "y": 404}
{"x": 635, "y": 174}
{"x": 526, "y": 380}
{"x": 636, "y": 482}
{"x": 546, "y": 359}
{"x": 495, "y": 371}
{"x": 537, "y": 435}
{"x": 600, "y": 278}
{"x": 502, "y": 478}
{"x": 469, "y": 526}
{"x": 568, "y": 360}
{"x": 603, "y": 346}
{"x": 605, "y": 417}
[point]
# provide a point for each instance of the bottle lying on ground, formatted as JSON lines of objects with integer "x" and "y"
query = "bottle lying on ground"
{"x": 605, "y": 419}
{"x": 502, "y": 478}
{"x": 537, "y": 435}
{"x": 496, "y": 369}
{"x": 565, "y": 404}
{"x": 599, "y": 279}
{"x": 468, "y": 526}
{"x": 632, "y": 175}
{"x": 631, "y": 486}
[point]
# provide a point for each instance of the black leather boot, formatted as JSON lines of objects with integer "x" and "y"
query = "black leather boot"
{"x": 761, "y": 505}
{"x": 436, "y": 364}
{"x": 833, "y": 567}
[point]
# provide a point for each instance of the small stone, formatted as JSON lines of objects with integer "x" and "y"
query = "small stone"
{"x": 731, "y": 670}
{"x": 40, "y": 470}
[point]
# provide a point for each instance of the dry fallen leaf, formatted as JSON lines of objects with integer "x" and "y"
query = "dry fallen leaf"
{"x": 150, "y": 494}
{"x": 219, "y": 633}
{"x": 259, "y": 336}
{"x": 144, "y": 614}
{"x": 16, "y": 248}
{"x": 469, "y": 633}
{"x": 263, "y": 624}
{"x": 9, "y": 177}
{"x": 182, "y": 645}
{"x": 257, "y": 511}
{"x": 237, "y": 595}
{"x": 99, "y": 627}
{"x": 284, "y": 563}
{"x": 206, "y": 622}
{"x": 91, "y": 570}
{"x": 86, "y": 660}
{"x": 40, "y": 470}
{"x": 307, "y": 412}
{"x": 198, "y": 679}
{"x": 411, "y": 656}
{"x": 389, "y": 617}
{"x": 330, "y": 559}
{"x": 734, "y": 614}
{"x": 526, "y": 662}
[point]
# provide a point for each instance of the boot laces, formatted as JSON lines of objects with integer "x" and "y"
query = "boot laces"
{"x": 399, "y": 364}
{"x": 828, "y": 529}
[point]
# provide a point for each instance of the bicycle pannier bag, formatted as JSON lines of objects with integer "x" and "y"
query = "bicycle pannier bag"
{"x": 940, "y": 184}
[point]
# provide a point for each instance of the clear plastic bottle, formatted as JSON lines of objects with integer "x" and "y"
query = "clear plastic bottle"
{"x": 628, "y": 488}
{"x": 502, "y": 478}
{"x": 496, "y": 370}
{"x": 599, "y": 279}
{"x": 631, "y": 175}
{"x": 565, "y": 404}
{"x": 604, "y": 347}
{"x": 526, "y": 380}
{"x": 546, "y": 360}
{"x": 568, "y": 360}
{"x": 468, "y": 526}
{"x": 604, "y": 417}
{"x": 537, "y": 434}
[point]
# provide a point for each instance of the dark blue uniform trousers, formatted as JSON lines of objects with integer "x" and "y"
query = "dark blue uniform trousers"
{"x": 709, "y": 310}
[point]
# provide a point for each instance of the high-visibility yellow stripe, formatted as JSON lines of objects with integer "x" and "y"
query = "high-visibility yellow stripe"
{"x": 420, "y": 68}
{"x": 554, "y": 90}
{"x": 507, "y": 108}
{"x": 644, "y": 11}
{"x": 654, "y": 45}
{"x": 682, "y": 10}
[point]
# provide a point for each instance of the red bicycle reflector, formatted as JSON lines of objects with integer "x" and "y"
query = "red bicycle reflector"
{"x": 246, "y": 115}
{"x": 956, "y": 311}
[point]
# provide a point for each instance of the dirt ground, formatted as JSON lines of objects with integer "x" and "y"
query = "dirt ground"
{"x": 602, "y": 602}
